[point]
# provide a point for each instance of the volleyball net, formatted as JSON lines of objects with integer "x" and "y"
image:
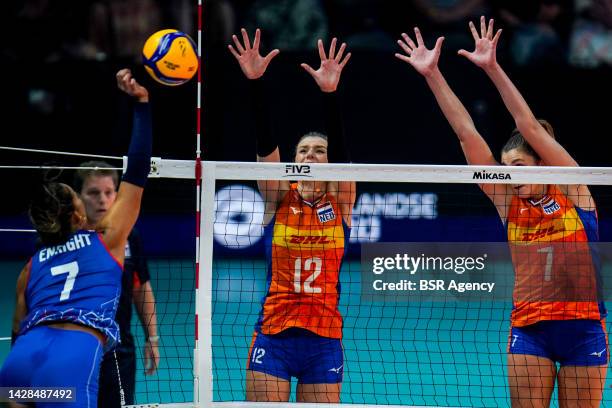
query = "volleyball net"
{"x": 425, "y": 288}
{"x": 427, "y": 281}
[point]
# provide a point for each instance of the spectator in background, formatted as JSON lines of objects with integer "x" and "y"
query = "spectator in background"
{"x": 182, "y": 14}
{"x": 98, "y": 190}
{"x": 591, "y": 40}
{"x": 55, "y": 29}
{"x": 119, "y": 28}
{"x": 220, "y": 22}
{"x": 292, "y": 25}
{"x": 448, "y": 18}
{"x": 49, "y": 33}
{"x": 364, "y": 23}
{"x": 539, "y": 30}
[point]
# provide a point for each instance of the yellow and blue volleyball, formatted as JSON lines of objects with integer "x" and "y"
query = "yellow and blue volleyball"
{"x": 170, "y": 57}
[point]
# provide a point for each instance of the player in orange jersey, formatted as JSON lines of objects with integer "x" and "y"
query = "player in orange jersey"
{"x": 299, "y": 330}
{"x": 548, "y": 326}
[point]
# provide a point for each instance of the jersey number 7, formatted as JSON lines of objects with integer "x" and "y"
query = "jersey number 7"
{"x": 72, "y": 269}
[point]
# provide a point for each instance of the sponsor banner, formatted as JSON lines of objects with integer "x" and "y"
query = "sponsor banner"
{"x": 239, "y": 216}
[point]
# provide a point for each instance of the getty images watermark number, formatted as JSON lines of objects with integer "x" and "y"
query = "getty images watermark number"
{"x": 37, "y": 394}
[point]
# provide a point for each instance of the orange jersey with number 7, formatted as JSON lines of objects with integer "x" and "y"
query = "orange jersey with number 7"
{"x": 305, "y": 246}
{"x": 556, "y": 269}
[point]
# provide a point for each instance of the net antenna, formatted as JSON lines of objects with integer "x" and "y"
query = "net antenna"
{"x": 198, "y": 181}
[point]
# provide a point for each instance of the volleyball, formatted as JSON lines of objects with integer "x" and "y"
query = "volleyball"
{"x": 170, "y": 57}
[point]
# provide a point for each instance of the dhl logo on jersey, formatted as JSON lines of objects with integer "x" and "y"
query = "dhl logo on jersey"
{"x": 558, "y": 228}
{"x": 540, "y": 234}
{"x": 320, "y": 238}
{"x": 310, "y": 239}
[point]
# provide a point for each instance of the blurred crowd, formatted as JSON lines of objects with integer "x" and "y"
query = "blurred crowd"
{"x": 59, "y": 53}
{"x": 59, "y": 58}
{"x": 536, "y": 32}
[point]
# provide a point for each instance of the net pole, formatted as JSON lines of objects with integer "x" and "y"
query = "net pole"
{"x": 198, "y": 179}
{"x": 204, "y": 362}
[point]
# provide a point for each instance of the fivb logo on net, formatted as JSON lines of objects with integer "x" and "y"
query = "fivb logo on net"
{"x": 297, "y": 171}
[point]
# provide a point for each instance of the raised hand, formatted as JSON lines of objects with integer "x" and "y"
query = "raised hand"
{"x": 128, "y": 84}
{"x": 328, "y": 74}
{"x": 486, "y": 45}
{"x": 424, "y": 60}
{"x": 253, "y": 65}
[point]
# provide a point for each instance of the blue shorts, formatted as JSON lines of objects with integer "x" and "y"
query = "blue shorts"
{"x": 50, "y": 357}
{"x": 299, "y": 353}
{"x": 567, "y": 342}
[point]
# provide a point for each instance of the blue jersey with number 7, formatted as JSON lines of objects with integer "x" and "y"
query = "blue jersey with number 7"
{"x": 79, "y": 282}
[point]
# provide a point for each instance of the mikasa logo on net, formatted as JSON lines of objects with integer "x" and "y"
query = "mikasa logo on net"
{"x": 484, "y": 175}
{"x": 297, "y": 170}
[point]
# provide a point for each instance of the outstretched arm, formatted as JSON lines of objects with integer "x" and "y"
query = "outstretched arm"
{"x": 120, "y": 219}
{"x": 338, "y": 151}
{"x": 475, "y": 148}
{"x": 484, "y": 56}
{"x": 254, "y": 66}
{"x": 425, "y": 61}
{"x": 549, "y": 150}
{"x": 327, "y": 77}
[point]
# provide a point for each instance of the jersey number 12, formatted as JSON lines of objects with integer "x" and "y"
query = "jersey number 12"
{"x": 310, "y": 263}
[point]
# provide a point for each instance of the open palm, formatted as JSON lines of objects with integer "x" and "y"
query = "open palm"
{"x": 424, "y": 60}
{"x": 484, "y": 54}
{"x": 252, "y": 64}
{"x": 328, "y": 75}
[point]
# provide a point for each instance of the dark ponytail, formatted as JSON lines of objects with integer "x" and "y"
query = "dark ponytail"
{"x": 51, "y": 212}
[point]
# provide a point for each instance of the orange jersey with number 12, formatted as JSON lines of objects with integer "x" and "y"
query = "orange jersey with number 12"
{"x": 305, "y": 245}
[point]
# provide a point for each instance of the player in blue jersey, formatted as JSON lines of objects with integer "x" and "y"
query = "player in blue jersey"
{"x": 67, "y": 294}
{"x": 98, "y": 190}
